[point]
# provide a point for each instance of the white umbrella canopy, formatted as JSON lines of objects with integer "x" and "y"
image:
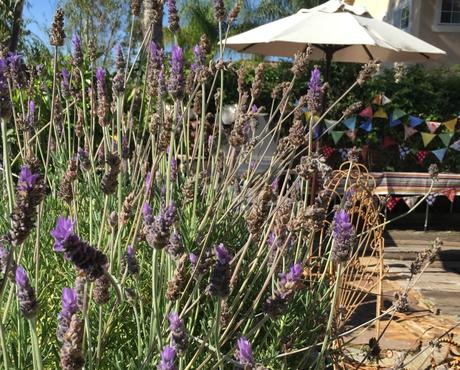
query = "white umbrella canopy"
{"x": 338, "y": 32}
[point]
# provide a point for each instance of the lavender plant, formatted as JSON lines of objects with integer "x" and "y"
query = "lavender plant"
{"x": 178, "y": 247}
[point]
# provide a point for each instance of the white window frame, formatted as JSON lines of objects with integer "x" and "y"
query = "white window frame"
{"x": 443, "y": 27}
{"x": 397, "y": 15}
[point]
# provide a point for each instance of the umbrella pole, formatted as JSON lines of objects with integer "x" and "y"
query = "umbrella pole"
{"x": 329, "y": 55}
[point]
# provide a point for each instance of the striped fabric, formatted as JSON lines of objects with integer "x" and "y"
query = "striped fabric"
{"x": 414, "y": 183}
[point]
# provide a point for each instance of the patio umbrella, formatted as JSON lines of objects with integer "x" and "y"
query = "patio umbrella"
{"x": 339, "y": 32}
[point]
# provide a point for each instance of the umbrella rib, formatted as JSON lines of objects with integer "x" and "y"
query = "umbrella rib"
{"x": 368, "y": 52}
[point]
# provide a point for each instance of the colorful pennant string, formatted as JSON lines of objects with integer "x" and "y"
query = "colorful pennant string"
{"x": 367, "y": 125}
{"x": 392, "y": 202}
{"x": 450, "y": 125}
{"x": 411, "y": 201}
{"x": 440, "y": 153}
{"x": 403, "y": 151}
{"x": 427, "y": 138}
{"x": 431, "y": 198}
{"x": 433, "y": 126}
{"x": 350, "y": 123}
{"x": 328, "y": 151}
{"x": 446, "y": 138}
{"x": 367, "y": 112}
{"x": 415, "y": 121}
{"x": 398, "y": 114}
{"x": 456, "y": 145}
{"x": 450, "y": 194}
{"x": 380, "y": 113}
{"x": 421, "y": 155}
{"x": 388, "y": 141}
{"x": 351, "y": 135}
{"x": 337, "y": 135}
{"x": 409, "y": 131}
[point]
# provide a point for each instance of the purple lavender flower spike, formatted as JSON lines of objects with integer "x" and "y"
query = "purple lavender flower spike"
{"x": 199, "y": 59}
{"x": 254, "y": 108}
{"x": 344, "y": 236}
{"x": 175, "y": 322}
{"x": 147, "y": 213}
{"x": 130, "y": 261}
{"x": 315, "y": 92}
{"x": 85, "y": 257}
{"x": 27, "y": 179}
{"x": 168, "y": 355}
{"x": 275, "y": 185}
{"x": 193, "y": 258}
{"x": 21, "y": 277}
{"x": 26, "y": 294}
{"x": 156, "y": 56}
{"x": 100, "y": 75}
{"x": 147, "y": 182}
{"x": 223, "y": 256}
{"x": 62, "y": 232}
{"x": 244, "y": 353}
{"x": 69, "y": 304}
{"x": 176, "y": 83}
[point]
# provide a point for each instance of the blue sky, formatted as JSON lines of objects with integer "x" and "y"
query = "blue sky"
{"x": 40, "y": 15}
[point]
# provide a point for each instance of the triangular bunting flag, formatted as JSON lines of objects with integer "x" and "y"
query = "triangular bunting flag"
{"x": 408, "y": 132}
{"x": 403, "y": 151}
{"x": 330, "y": 123}
{"x": 344, "y": 153}
{"x": 367, "y": 112}
{"x": 431, "y": 198}
{"x": 380, "y": 113}
{"x": 446, "y": 138}
{"x": 367, "y": 125}
{"x": 391, "y": 203}
{"x": 316, "y": 132}
{"x": 388, "y": 141}
{"x": 385, "y": 100}
{"x": 427, "y": 138}
{"x": 398, "y": 113}
{"x": 421, "y": 155}
{"x": 451, "y": 124}
{"x": 351, "y": 134}
{"x": 328, "y": 151}
{"x": 395, "y": 122}
{"x": 415, "y": 121}
{"x": 450, "y": 194}
{"x": 440, "y": 153}
{"x": 350, "y": 123}
{"x": 377, "y": 100}
{"x": 337, "y": 135}
{"x": 411, "y": 201}
{"x": 456, "y": 145}
{"x": 433, "y": 126}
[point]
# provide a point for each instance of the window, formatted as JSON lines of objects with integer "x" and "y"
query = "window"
{"x": 450, "y": 12}
{"x": 401, "y": 15}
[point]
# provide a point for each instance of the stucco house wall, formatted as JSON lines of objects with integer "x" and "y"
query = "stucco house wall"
{"x": 424, "y": 22}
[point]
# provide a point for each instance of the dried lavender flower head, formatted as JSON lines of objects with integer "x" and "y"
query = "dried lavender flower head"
{"x": 173, "y": 16}
{"x": 244, "y": 353}
{"x": 167, "y": 357}
{"x": 219, "y": 10}
{"x": 57, "y": 34}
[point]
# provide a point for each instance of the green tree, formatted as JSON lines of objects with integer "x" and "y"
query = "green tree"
{"x": 103, "y": 21}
